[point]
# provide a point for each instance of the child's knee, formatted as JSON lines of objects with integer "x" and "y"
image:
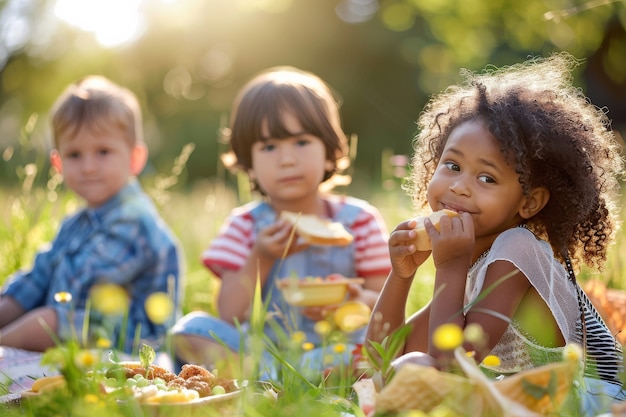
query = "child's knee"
{"x": 200, "y": 350}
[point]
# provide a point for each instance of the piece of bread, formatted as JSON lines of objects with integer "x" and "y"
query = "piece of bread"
{"x": 422, "y": 241}
{"x": 318, "y": 231}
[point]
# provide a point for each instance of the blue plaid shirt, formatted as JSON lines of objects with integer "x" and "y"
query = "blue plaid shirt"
{"x": 123, "y": 242}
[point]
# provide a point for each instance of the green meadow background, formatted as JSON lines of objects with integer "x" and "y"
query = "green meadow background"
{"x": 186, "y": 60}
{"x": 30, "y": 215}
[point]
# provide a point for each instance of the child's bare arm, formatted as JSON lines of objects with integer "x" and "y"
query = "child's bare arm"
{"x": 31, "y": 330}
{"x": 453, "y": 248}
{"x": 235, "y": 297}
{"x": 389, "y": 311}
{"x": 9, "y": 310}
{"x": 504, "y": 290}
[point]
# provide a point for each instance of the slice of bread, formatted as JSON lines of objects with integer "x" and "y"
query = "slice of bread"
{"x": 422, "y": 242}
{"x": 318, "y": 231}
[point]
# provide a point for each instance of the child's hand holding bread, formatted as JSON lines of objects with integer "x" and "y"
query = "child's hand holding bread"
{"x": 318, "y": 231}
{"x": 422, "y": 242}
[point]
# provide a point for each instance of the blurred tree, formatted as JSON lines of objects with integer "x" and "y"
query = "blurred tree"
{"x": 186, "y": 59}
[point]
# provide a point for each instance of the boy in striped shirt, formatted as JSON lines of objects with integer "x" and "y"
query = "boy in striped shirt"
{"x": 286, "y": 135}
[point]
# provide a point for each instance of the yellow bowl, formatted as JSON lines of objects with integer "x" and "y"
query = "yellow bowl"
{"x": 315, "y": 292}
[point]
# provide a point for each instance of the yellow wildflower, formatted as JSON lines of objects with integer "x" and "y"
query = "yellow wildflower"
{"x": 474, "y": 334}
{"x": 85, "y": 359}
{"x": 298, "y": 337}
{"x": 573, "y": 353}
{"x": 491, "y": 360}
{"x": 307, "y": 346}
{"x": 447, "y": 337}
{"x": 159, "y": 307}
{"x": 63, "y": 297}
{"x": 103, "y": 343}
{"x": 93, "y": 402}
{"x": 339, "y": 348}
{"x": 109, "y": 298}
{"x": 322, "y": 328}
{"x": 92, "y": 398}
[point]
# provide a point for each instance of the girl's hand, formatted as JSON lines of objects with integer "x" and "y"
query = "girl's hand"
{"x": 405, "y": 259}
{"x": 272, "y": 241}
{"x": 454, "y": 241}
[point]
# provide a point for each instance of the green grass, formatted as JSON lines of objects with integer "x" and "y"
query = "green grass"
{"x": 206, "y": 206}
{"x": 30, "y": 216}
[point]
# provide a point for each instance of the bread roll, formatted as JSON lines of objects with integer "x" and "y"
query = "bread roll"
{"x": 422, "y": 241}
{"x": 318, "y": 231}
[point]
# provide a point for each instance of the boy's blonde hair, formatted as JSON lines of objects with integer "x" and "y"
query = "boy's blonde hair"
{"x": 99, "y": 104}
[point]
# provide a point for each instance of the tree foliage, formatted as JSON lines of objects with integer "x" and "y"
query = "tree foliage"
{"x": 384, "y": 58}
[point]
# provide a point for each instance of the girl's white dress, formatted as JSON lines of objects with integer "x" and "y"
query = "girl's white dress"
{"x": 516, "y": 350}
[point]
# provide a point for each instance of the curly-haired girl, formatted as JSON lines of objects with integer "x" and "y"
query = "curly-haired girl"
{"x": 532, "y": 169}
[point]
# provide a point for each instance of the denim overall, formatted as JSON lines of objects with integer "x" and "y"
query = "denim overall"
{"x": 314, "y": 261}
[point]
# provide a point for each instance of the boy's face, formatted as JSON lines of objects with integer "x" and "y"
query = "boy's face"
{"x": 96, "y": 165}
{"x": 289, "y": 169}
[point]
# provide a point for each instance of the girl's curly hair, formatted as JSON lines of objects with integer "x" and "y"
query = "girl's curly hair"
{"x": 553, "y": 136}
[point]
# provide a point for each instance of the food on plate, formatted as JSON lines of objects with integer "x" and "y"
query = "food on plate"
{"x": 157, "y": 385}
{"x": 131, "y": 369}
{"x": 181, "y": 395}
{"x": 316, "y": 291}
{"x": 422, "y": 241}
{"x": 153, "y": 385}
{"x": 48, "y": 383}
{"x": 352, "y": 315}
{"x": 318, "y": 231}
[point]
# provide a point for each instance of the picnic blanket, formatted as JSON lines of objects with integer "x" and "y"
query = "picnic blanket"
{"x": 18, "y": 370}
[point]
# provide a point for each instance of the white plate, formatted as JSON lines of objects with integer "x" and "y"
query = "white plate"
{"x": 211, "y": 399}
{"x": 202, "y": 401}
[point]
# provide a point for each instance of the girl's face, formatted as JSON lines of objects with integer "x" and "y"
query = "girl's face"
{"x": 96, "y": 165}
{"x": 289, "y": 170}
{"x": 473, "y": 176}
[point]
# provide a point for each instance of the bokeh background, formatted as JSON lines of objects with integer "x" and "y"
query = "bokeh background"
{"x": 186, "y": 59}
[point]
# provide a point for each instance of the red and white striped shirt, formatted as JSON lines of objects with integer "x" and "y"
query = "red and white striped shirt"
{"x": 231, "y": 248}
